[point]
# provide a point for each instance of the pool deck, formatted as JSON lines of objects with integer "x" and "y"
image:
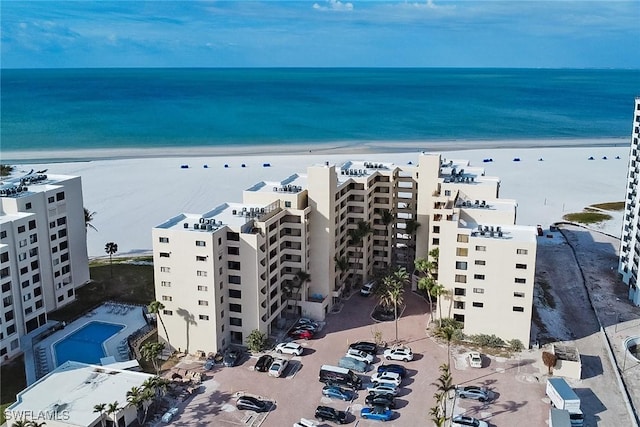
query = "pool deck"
{"x": 42, "y": 359}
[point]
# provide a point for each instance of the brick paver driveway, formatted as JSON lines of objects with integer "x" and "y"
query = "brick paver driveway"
{"x": 518, "y": 394}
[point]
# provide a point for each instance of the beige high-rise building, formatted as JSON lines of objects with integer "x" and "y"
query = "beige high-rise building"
{"x": 43, "y": 252}
{"x": 630, "y": 244}
{"x": 291, "y": 248}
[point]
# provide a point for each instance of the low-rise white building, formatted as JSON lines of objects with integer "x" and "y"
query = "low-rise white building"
{"x": 43, "y": 252}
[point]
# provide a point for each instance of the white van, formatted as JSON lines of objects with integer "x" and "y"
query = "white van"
{"x": 367, "y": 289}
{"x": 305, "y": 423}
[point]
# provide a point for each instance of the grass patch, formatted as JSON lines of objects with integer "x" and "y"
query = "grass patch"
{"x": 12, "y": 381}
{"x": 609, "y": 206}
{"x": 586, "y": 217}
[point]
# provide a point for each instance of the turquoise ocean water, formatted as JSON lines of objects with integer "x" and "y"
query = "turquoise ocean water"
{"x": 101, "y": 108}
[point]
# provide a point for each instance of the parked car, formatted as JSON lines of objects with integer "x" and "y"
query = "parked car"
{"x": 353, "y": 364}
{"x": 399, "y": 353}
{"x": 168, "y": 416}
{"x": 359, "y": 355}
{"x": 386, "y": 378}
{"x": 379, "y": 413}
{"x": 475, "y": 359}
{"x": 367, "y": 289}
{"x": 392, "y": 367}
{"x": 252, "y": 404}
{"x": 383, "y": 389}
{"x": 301, "y": 334}
{"x": 264, "y": 363}
{"x": 307, "y": 321}
{"x": 290, "y": 348}
{"x": 385, "y": 400}
{"x": 464, "y": 421}
{"x": 367, "y": 347}
{"x": 337, "y": 392}
{"x": 304, "y": 327}
{"x": 231, "y": 357}
{"x": 278, "y": 366}
{"x": 473, "y": 392}
{"x": 326, "y": 413}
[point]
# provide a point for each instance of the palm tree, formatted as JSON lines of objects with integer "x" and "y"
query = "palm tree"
{"x": 342, "y": 263}
{"x": 156, "y": 307}
{"x": 112, "y": 409}
{"x": 37, "y": 424}
{"x": 387, "y": 218}
{"x": 390, "y": 294}
{"x": 411, "y": 228}
{"x": 446, "y": 333}
{"x": 88, "y": 217}
{"x": 300, "y": 278}
{"x": 437, "y": 290}
{"x": 444, "y": 385}
{"x": 100, "y": 407}
{"x": 20, "y": 423}
{"x": 111, "y": 248}
{"x": 141, "y": 398}
{"x": 358, "y": 235}
{"x": 150, "y": 352}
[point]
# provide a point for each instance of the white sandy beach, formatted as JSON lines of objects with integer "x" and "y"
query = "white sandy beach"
{"x": 131, "y": 192}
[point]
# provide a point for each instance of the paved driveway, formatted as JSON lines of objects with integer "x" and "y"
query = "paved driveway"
{"x": 519, "y": 397}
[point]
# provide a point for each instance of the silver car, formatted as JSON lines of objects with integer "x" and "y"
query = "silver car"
{"x": 473, "y": 392}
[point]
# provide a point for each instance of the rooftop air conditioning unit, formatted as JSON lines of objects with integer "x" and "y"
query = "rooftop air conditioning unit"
{"x": 196, "y": 226}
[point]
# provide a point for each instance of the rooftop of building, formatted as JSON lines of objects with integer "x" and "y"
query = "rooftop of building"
{"x": 73, "y": 389}
{"x": 6, "y": 218}
{"x": 362, "y": 169}
{"x": 520, "y": 233}
{"x": 29, "y": 183}
{"x": 292, "y": 184}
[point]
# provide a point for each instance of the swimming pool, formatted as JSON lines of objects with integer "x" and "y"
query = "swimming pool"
{"x": 86, "y": 344}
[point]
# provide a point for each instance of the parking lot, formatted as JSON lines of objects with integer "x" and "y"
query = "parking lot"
{"x": 518, "y": 395}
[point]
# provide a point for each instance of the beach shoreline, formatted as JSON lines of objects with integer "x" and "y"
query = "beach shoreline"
{"x": 302, "y": 148}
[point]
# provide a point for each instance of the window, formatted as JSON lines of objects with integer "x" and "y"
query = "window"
{"x": 70, "y": 293}
{"x": 459, "y": 292}
{"x": 435, "y": 241}
{"x": 201, "y": 243}
{"x": 203, "y": 317}
{"x": 522, "y": 251}
{"x": 21, "y": 257}
{"x": 518, "y": 309}
{"x": 8, "y": 315}
{"x": 33, "y": 238}
{"x": 163, "y": 239}
{"x": 52, "y": 224}
{"x": 167, "y": 298}
{"x": 23, "y": 242}
{"x": 436, "y": 228}
{"x": 167, "y": 312}
{"x": 64, "y": 257}
{"x": 38, "y": 304}
{"x": 6, "y": 287}
{"x": 4, "y": 272}
{"x": 22, "y": 229}
{"x": 203, "y": 302}
{"x": 287, "y": 204}
{"x": 236, "y": 308}
{"x": 518, "y": 294}
{"x": 480, "y": 248}
{"x": 461, "y": 265}
{"x": 165, "y": 284}
{"x": 11, "y": 329}
{"x": 25, "y": 284}
{"x": 461, "y": 278}
{"x": 203, "y": 288}
{"x": 521, "y": 280}
{"x": 235, "y": 321}
{"x": 201, "y": 273}
{"x": 233, "y": 236}
{"x": 7, "y": 301}
{"x": 24, "y": 270}
{"x": 27, "y": 205}
{"x": 60, "y": 196}
{"x": 463, "y": 238}
{"x": 201, "y": 258}
{"x": 165, "y": 269}
{"x": 32, "y": 224}
{"x": 61, "y": 221}
{"x": 521, "y": 266}
{"x": 478, "y": 304}
{"x": 234, "y": 293}
{"x": 33, "y": 252}
{"x": 65, "y": 269}
{"x": 459, "y": 305}
{"x": 462, "y": 251}
{"x": 233, "y": 250}
{"x": 478, "y": 290}
{"x": 51, "y": 199}
{"x": 34, "y": 265}
{"x": 478, "y": 276}
{"x": 164, "y": 255}
{"x": 64, "y": 245}
{"x": 447, "y": 192}
{"x": 233, "y": 265}
{"x": 3, "y": 234}
{"x": 234, "y": 279}
{"x": 37, "y": 291}
{"x": 35, "y": 278}
{"x": 62, "y": 233}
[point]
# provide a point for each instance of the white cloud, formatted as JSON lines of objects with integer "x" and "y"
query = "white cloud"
{"x": 334, "y": 5}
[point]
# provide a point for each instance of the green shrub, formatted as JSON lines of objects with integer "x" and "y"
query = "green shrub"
{"x": 487, "y": 340}
{"x": 515, "y": 345}
{"x": 451, "y": 322}
{"x": 256, "y": 341}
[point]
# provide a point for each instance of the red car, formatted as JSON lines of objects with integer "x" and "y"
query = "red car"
{"x": 301, "y": 334}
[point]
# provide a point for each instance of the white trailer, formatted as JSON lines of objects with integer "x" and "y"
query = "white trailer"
{"x": 559, "y": 418}
{"x": 563, "y": 397}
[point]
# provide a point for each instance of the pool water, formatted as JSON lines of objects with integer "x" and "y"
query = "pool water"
{"x": 86, "y": 344}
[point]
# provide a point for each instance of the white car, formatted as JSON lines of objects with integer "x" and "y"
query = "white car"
{"x": 464, "y": 421}
{"x": 399, "y": 353}
{"x": 367, "y": 289}
{"x": 382, "y": 389}
{"x": 391, "y": 378}
{"x": 290, "y": 348}
{"x": 475, "y": 359}
{"x": 359, "y": 355}
{"x": 277, "y": 367}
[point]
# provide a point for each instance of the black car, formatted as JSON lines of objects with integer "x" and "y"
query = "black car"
{"x": 231, "y": 357}
{"x": 252, "y": 404}
{"x": 384, "y": 400}
{"x": 325, "y": 413}
{"x": 367, "y": 347}
{"x": 263, "y": 363}
{"x": 392, "y": 367}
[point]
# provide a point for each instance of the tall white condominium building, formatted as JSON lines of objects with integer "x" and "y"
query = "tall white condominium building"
{"x": 292, "y": 248}
{"x": 43, "y": 252}
{"x": 630, "y": 245}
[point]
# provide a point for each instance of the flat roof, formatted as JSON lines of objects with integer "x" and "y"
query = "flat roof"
{"x": 30, "y": 183}
{"x": 76, "y": 388}
{"x": 362, "y": 169}
{"x": 520, "y": 233}
{"x": 292, "y": 184}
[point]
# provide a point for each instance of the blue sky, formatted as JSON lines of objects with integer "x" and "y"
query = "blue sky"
{"x": 320, "y": 33}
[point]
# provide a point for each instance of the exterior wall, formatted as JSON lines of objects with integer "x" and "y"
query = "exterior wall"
{"x": 44, "y": 234}
{"x": 630, "y": 244}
